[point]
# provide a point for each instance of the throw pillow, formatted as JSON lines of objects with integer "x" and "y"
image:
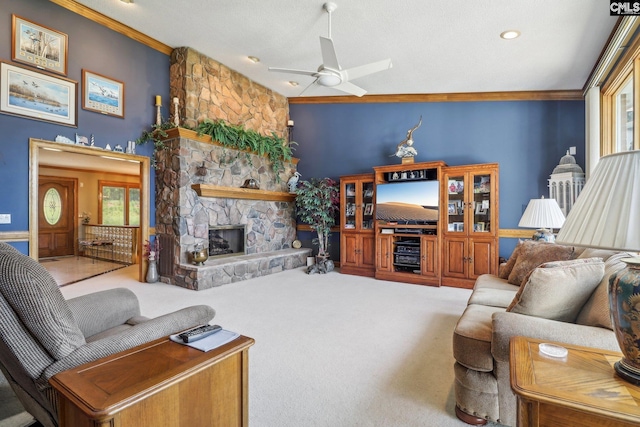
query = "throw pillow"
{"x": 558, "y": 290}
{"x": 596, "y": 311}
{"x": 505, "y": 270}
{"x": 534, "y": 253}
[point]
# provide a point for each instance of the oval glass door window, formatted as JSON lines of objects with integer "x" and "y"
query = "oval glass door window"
{"x": 52, "y": 206}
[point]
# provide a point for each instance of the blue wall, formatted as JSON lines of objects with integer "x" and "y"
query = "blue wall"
{"x": 526, "y": 138}
{"x": 144, "y": 71}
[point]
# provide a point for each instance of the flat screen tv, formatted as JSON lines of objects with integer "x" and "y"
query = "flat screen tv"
{"x": 409, "y": 202}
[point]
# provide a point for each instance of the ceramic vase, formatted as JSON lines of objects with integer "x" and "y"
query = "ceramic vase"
{"x": 152, "y": 272}
{"x": 624, "y": 302}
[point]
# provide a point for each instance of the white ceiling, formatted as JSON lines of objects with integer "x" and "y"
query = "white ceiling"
{"x": 436, "y": 46}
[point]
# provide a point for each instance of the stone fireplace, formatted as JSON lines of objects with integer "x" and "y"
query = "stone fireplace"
{"x": 226, "y": 240}
{"x": 198, "y": 181}
{"x": 190, "y": 203}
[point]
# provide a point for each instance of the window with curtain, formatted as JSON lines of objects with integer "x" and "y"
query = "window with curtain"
{"x": 119, "y": 203}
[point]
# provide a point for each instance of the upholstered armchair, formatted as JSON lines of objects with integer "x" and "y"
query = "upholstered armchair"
{"x": 42, "y": 334}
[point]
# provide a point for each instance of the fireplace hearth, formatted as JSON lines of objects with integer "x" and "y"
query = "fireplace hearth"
{"x": 226, "y": 240}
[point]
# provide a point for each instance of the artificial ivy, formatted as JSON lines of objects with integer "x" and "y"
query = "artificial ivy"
{"x": 234, "y": 136}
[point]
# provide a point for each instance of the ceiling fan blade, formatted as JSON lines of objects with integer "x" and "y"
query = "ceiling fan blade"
{"x": 350, "y": 88}
{"x": 290, "y": 71}
{"x": 329, "y": 57}
{"x": 364, "y": 70}
{"x": 310, "y": 88}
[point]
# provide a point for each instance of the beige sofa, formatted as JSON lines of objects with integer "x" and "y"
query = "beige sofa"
{"x": 482, "y": 334}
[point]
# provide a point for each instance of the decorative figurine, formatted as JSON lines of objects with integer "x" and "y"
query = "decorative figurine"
{"x": 293, "y": 182}
{"x": 404, "y": 148}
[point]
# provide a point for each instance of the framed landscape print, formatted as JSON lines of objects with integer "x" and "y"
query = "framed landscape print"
{"x": 39, "y": 46}
{"x": 35, "y": 95}
{"x": 102, "y": 94}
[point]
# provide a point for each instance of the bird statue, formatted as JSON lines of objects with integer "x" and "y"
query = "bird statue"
{"x": 404, "y": 148}
{"x": 293, "y": 182}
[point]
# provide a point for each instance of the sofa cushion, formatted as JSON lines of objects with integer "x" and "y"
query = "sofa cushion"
{"x": 558, "y": 290}
{"x": 493, "y": 291}
{"x": 534, "y": 253}
{"x": 506, "y": 269}
{"x": 597, "y": 253}
{"x": 472, "y": 337}
{"x": 596, "y": 311}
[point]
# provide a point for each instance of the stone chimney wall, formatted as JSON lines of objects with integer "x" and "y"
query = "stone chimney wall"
{"x": 208, "y": 89}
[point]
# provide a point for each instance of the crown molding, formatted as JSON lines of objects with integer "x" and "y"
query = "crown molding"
{"x": 114, "y": 25}
{"x": 549, "y": 95}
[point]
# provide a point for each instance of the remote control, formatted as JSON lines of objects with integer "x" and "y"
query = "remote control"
{"x": 200, "y": 332}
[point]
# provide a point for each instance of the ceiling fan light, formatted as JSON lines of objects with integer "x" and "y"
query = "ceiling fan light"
{"x": 329, "y": 80}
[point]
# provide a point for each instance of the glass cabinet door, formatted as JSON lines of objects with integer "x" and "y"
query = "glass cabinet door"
{"x": 455, "y": 204}
{"x": 367, "y": 205}
{"x": 349, "y": 219}
{"x": 481, "y": 203}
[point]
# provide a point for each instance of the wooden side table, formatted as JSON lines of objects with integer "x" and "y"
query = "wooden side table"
{"x": 160, "y": 383}
{"x": 579, "y": 390}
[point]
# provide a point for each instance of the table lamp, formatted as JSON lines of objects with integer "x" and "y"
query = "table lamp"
{"x": 544, "y": 215}
{"x": 606, "y": 215}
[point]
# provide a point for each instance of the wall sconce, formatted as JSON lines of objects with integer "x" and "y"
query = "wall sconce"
{"x": 290, "y": 128}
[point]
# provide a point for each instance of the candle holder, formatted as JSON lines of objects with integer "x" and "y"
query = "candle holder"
{"x": 176, "y": 116}
{"x": 158, "y": 115}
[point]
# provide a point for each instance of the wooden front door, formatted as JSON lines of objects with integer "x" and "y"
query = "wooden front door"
{"x": 56, "y": 216}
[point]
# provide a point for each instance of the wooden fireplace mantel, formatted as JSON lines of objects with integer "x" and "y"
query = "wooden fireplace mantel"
{"x": 208, "y": 190}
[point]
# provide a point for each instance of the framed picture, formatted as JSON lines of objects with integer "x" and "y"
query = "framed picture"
{"x": 36, "y": 95}
{"x": 102, "y": 94}
{"x": 478, "y": 227}
{"x": 39, "y": 46}
{"x": 453, "y": 208}
{"x": 480, "y": 209}
{"x": 368, "y": 209}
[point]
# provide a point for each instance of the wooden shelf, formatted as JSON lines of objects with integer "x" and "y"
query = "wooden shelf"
{"x": 208, "y": 190}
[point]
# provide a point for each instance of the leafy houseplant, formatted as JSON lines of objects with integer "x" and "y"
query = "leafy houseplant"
{"x": 317, "y": 202}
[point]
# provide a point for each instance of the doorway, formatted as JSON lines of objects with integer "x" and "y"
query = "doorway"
{"x": 57, "y": 212}
{"x": 75, "y": 155}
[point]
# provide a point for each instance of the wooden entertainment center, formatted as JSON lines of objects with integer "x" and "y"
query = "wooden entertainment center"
{"x": 448, "y": 243}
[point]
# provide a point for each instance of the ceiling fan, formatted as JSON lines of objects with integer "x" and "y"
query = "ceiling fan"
{"x": 330, "y": 74}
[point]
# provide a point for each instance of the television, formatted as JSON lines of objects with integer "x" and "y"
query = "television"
{"x": 408, "y": 202}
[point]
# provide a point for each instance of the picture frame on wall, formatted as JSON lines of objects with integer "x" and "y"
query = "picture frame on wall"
{"x": 102, "y": 94}
{"x": 39, "y": 46}
{"x": 37, "y": 95}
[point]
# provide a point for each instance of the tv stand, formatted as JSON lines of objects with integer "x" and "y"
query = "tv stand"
{"x": 407, "y": 251}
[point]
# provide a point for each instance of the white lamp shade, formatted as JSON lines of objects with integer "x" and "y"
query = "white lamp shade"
{"x": 606, "y": 215}
{"x": 542, "y": 213}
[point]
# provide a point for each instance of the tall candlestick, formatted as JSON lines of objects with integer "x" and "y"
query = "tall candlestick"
{"x": 176, "y": 116}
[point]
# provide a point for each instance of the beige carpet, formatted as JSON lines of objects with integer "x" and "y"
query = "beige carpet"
{"x": 331, "y": 350}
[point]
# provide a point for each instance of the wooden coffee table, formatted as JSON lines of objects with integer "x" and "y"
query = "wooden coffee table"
{"x": 160, "y": 383}
{"x": 579, "y": 390}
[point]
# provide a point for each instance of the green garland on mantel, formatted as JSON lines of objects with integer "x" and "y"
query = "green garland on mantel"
{"x": 233, "y": 136}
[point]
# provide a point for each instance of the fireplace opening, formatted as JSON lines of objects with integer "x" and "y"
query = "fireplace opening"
{"x": 226, "y": 240}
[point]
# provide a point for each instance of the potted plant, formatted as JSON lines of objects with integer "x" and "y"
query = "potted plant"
{"x": 317, "y": 203}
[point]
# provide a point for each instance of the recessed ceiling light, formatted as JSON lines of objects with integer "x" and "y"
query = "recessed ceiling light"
{"x": 254, "y": 59}
{"x": 510, "y": 34}
{"x": 293, "y": 83}
{"x": 126, "y": 1}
